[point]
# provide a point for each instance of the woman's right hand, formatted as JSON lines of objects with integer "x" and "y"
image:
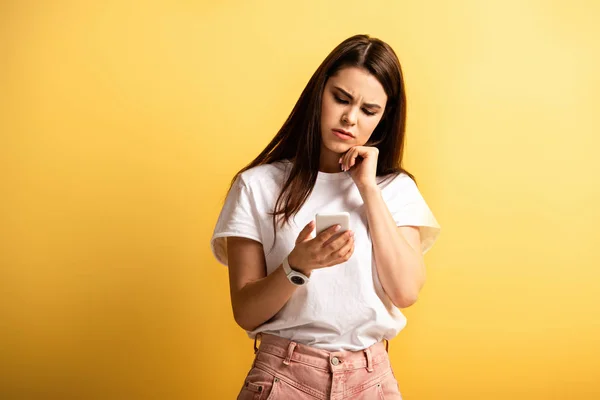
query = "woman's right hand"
{"x": 327, "y": 249}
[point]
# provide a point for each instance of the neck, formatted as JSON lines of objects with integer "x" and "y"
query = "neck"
{"x": 329, "y": 161}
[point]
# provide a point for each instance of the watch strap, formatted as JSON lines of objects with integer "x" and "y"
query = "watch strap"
{"x": 296, "y": 277}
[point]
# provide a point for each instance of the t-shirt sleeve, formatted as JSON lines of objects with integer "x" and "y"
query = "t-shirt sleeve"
{"x": 409, "y": 208}
{"x": 238, "y": 217}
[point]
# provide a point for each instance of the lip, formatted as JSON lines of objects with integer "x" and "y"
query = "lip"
{"x": 342, "y": 134}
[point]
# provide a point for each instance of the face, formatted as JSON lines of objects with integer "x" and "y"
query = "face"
{"x": 353, "y": 105}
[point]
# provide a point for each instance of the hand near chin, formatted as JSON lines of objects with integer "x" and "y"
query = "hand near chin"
{"x": 361, "y": 162}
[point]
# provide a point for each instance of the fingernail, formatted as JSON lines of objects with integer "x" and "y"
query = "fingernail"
{"x": 351, "y": 233}
{"x": 337, "y": 228}
{"x": 340, "y": 161}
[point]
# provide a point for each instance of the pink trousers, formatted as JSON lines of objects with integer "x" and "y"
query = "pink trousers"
{"x": 283, "y": 369}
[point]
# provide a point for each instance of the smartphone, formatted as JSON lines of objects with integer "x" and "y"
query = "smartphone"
{"x": 325, "y": 220}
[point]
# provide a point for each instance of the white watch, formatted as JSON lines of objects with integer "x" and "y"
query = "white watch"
{"x": 297, "y": 278}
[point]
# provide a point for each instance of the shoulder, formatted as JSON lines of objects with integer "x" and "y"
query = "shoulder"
{"x": 400, "y": 187}
{"x": 396, "y": 182}
{"x": 266, "y": 173}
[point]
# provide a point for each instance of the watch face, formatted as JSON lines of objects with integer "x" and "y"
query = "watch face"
{"x": 297, "y": 280}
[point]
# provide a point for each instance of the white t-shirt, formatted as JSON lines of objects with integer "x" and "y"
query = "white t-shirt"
{"x": 343, "y": 307}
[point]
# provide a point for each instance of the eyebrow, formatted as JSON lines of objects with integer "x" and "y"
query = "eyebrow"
{"x": 369, "y": 105}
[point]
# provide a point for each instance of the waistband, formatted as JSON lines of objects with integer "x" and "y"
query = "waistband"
{"x": 333, "y": 361}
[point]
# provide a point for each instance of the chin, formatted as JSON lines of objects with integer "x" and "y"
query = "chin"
{"x": 337, "y": 147}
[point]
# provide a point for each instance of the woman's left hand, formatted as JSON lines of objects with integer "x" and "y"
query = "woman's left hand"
{"x": 361, "y": 162}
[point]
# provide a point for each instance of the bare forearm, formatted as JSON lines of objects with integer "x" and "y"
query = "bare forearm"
{"x": 399, "y": 266}
{"x": 259, "y": 301}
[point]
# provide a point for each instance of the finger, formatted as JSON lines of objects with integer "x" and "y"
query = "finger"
{"x": 327, "y": 233}
{"x": 337, "y": 244}
{"x": 352, "y": 158}
{"x": 331, "y": 239}
{"x": 342, "y": 255}
{"x": 343, "y": 250}
{"x": 339, "y": 237}
{"x": 304, "y": 235}
{"x": 347, "y": 157}
{"x": 350, "y": 251}
{"x": 343, "y": 161}
{"x": 352, "y": 154}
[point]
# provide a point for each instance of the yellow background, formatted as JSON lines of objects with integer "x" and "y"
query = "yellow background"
{"x": 122, "y": 123}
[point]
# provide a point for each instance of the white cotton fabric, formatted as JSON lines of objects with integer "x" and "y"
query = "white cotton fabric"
{"x": 343, "y": 307}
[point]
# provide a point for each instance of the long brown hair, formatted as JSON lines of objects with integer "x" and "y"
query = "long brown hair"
{"x": 299, "y": 139}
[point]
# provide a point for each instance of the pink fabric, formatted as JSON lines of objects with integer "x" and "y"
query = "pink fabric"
{"x": 283, "y": 369}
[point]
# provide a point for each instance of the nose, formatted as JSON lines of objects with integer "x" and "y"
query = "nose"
{"x": 350, "y": 116}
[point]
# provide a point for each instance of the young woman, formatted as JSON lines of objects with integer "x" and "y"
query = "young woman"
{"x": 323, "y": 305}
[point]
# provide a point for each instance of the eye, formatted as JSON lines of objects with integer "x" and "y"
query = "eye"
{"x": 368, "y": 112}
{"x": 340, "y": 100}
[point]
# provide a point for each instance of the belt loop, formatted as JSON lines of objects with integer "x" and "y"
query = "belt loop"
{"x": 288, "y": 358}
{"x": 369, "y": 359}
{"x": 255, "y": 338}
